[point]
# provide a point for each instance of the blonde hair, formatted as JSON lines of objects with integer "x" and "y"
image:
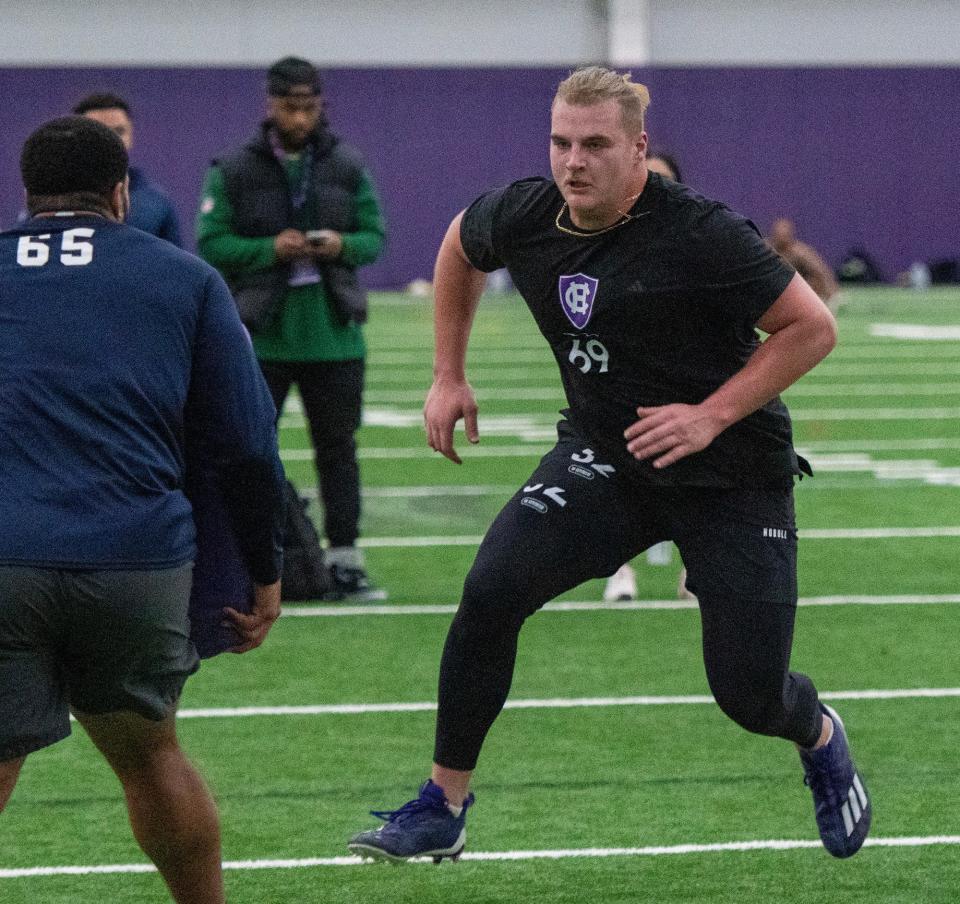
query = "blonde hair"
{"x": 594, "y": 85}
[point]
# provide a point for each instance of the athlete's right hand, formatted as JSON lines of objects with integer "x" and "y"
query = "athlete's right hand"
{"x": 289, "y": 244}
{"x": 254, "y": 626}
{"x": 447, "y": 402}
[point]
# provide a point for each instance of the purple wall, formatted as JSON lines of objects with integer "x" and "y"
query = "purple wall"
{"x": 856, "y": 156}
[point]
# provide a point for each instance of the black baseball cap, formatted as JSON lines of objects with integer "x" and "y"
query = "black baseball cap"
{"x": 293, "y": 75}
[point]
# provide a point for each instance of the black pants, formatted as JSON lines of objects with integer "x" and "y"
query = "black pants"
{"x": 331, "y": 392}
{"x": 576, "y": 519}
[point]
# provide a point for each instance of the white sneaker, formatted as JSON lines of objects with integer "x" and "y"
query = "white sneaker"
{"x": 621, "y": 585}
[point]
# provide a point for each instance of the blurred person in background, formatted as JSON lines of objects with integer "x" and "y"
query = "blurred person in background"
{"x": 805, "y": 260}
{"x": 650, "y": 297}
{"x": 121, "y": 357}
{"x": 150, "y": 207}
{"x": 288, "y": 218}
{"x": 665, "y": 164}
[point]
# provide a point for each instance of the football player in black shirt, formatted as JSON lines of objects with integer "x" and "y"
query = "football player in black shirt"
{"x": 649, "y": 296}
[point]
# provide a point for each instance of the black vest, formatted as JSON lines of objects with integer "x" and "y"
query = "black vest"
{"x": 258, "y": 190}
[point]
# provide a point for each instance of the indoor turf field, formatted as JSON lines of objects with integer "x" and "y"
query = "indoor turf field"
{"x": 612, "y": 777}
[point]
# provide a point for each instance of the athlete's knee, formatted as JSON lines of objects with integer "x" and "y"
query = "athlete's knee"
{"x": 133, "y": 745}
{"x": 757, "y": 709}
{"x": 494, "y": 593}
{"x": 756, "y": 715}
{"x": 480, "y": 614}
{"x": 150, "y": 765}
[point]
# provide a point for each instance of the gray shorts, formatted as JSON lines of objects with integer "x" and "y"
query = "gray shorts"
{"x": 95, "y": 641}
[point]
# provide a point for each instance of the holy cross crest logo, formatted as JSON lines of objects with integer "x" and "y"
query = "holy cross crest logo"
{"x": 577, "y": 294}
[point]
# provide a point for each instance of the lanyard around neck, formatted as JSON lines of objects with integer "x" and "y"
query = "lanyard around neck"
{"x": 299, "y": 197}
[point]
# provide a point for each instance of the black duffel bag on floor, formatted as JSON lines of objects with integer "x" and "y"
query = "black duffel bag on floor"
{"x": 305, "y": 573}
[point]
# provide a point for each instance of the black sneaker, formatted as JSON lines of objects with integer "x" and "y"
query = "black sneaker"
{"x": 424, "y": 827}
{"x": 840, "y": 802}
{"x": 351, "y": 584}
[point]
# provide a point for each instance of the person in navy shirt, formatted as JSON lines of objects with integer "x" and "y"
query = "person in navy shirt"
{"x": 150, "y": 207}
{"x": 122, "y": 363}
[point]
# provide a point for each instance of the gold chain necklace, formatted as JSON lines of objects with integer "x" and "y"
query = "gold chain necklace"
{"x": 624, "y": 218}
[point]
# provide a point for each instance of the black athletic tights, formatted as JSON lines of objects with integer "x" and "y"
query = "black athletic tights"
{"x": 576, "y": 519}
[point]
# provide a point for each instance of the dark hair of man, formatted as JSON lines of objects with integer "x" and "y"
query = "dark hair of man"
{"x": 670, "y": 161}
{"x": 72, "y": 163}
{"x": 102, "y": 101}
{"x": 291, "y": 73}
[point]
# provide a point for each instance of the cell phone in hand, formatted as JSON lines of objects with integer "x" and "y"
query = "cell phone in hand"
{"x": 317, "y": 237}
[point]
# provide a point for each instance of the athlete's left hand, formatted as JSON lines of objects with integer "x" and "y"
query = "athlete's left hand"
{"x": 670, "y": 432}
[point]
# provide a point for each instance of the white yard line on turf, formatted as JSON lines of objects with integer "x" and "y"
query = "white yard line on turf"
{"x": 872, "y": 389}
{"x": 394, "y": 542}
{"x": 499, "y": 394}
{"x": 894, "y": 352}
{"x": 531, "y": 450}
{"x": 880, "y": 445}
{"x": 827, "y": 533}
{"x": 886, "y": 470}
{"x": 872, "y": 414}
{"x": 720, "y": 847}
{"x": 418, "y": 492}
{"x": 479, "y": 356}
{"x": 363, "y": 709}
{"x": 916, "y": 331}
{"x": 536, "y": 449}
{"x": 877, "y": 533}
{"x": 879, "y": 478}
{"x": 555, "y": 393}
{"x": 428, "y": 706}
{"x": 834, "y": 369}
{"x": 542, "y": 425}
{"x": 341, "y": 610}
{"x": 536, "y": 373}
{"x": 402, "y": 452}
{"x": 546, "y": 370}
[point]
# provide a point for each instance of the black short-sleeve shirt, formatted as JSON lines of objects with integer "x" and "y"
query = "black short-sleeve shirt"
{"x": 661, "y": 309}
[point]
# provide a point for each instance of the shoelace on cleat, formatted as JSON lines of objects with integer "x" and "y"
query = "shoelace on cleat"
{"x": 411, "y": 808}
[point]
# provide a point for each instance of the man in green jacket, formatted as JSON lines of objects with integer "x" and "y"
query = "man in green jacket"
{"x": 287, "y": 218}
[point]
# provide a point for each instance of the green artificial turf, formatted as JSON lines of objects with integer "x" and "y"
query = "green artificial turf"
{"x": 590, "y": 777}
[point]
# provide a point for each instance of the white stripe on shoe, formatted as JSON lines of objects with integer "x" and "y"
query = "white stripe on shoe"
{"x": 848, "y": 822}
{"x": 854, "y": 805}
{"x": 858, "y": 785}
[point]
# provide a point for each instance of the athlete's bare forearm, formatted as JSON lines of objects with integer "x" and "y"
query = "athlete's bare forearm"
{"x": 457, "y": 286}
{"x": 802, "y": 333}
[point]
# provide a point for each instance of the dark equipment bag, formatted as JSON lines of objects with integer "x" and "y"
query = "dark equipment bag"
{"x": 305, "y": 572}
